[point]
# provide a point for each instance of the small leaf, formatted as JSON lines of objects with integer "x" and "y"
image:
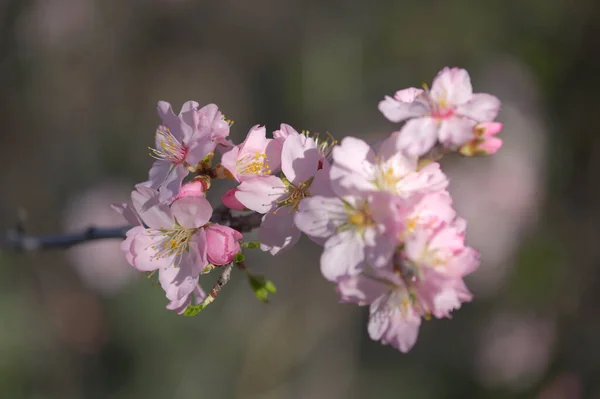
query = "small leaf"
{"x": 251, "y": 244}
{"x": 239, "y": 258}
{"x": 262, "y": 287}
{"x": 193, "y": 310}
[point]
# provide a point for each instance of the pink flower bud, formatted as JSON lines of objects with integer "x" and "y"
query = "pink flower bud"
{"x": 222, "y": 244}
{"x": 484, "y": 142}
{"x": 231, "y": 202}
{"x": 197, "y": 187}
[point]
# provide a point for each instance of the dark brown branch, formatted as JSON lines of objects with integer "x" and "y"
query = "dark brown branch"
{"x": 17, "y": 240}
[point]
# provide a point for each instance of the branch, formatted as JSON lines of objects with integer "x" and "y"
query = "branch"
{"x": 17, "y": 240}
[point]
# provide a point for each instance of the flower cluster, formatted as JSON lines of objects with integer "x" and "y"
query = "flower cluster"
{"x": 391, "y": 238}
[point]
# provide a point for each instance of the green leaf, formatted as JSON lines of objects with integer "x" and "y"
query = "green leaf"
{"x": 251, "y": 244}
{"x": 193, "y": 310}
{"x": 239, "y": 258}
{"x": 261, "y": 287}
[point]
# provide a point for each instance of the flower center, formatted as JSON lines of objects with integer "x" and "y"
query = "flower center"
{"x": 253, "y": 165}
{"x": 169, "y": 149}
{"x": 295, "y": 194}
{"x": 172, "y": 242}
{"x": 387, "y": 176}
{"x": 359, "y": 218}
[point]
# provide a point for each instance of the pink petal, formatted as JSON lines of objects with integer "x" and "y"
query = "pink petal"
{"x": 273, "y": 151}
{"x": 455, "y": 131}
{"x": 343, "y": 255}
{"x": 491, "y": 145}
{"x": 229, "y": 160}
{"x": 260, "y": 193}
{"x": 490, "y": 128}
{"x": 320, "y": 216}
{"x": 189, "y": 106}
{"x": 277, "y": 231}
{"x": 402, "y": 332}
{"x": 482, "y": 108}
{"x": 191, "y": 212}
{"x": 418, "y": 136}
{"x": 256, "y": 141}
{"x": 199, "y": 147}
{"x": 452, "y": 86}
{"x": 128, "y": 213}
{"x": 144, "y": 250}
{"x": 403, "y": 105}
{"x": 284, "y": 132}
{"x": 299, "y": 158}
{"x": 360, "y": 289}
{"x": 231, "y": 202}
{"x": 152, "y": 213}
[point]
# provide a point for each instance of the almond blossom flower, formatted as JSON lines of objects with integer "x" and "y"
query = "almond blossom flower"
{"x": 397, "y": 304}
{"x": 356, "y": 231}
{"x": 357, "y": 169}
{"x": 439, "y": 247}
{"x": 208, "y": 121}
{"x": 174, "y": 242}
{"x": 178, "y": 145}
{"x": 484, "y": 141}
{"x": 279, "y": 198}
{"x": 447, "y": 113}
{"x": 256, "y": 156}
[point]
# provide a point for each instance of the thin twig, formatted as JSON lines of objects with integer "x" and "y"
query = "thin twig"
{"x": 17, "y": 240}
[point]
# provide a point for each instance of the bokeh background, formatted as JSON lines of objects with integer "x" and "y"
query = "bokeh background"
{"x": 79, "y": 80}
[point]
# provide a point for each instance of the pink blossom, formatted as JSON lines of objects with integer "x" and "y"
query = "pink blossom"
{"x": 231, "y": 202}
{"x": 223, "y": 243}
{"x": 209, "y": 122}
{"x": 447, "y": 113}
{"x": 355, "y": 231}
{"x": 440, "y": 247}
{"x": 178, "y": 145}
{"x": 279, "y": 198}
{"x": 256, "y": 156}
{"x": 397, "y": 303}
{"x": 357, "y": 169}
{"x": 484, "y": 141}
{"x": 172, "y": 243}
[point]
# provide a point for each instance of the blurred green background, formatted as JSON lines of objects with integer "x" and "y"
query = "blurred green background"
{"x": 79, "y": 81}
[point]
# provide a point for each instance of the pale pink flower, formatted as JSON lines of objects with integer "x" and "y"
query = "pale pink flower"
{"x": 447, "y": 113}
{"x": 256, "y": 156}
{"x": 180, "y": 281}
{"x": 397, "y": 303}
{"x": 210, "y": 123}
{"x": 223, "y": 243}
{"x": 279, "y": 198}
{"x": 439, "y": 246}
{"x": 356, "y": 231}
{"x": 178, "y": 145}
{"x": 231, "y": 202}
{"x": 357, "y": 169}
{"x": 484, "y": 141}
{"x": 173, "y": 241}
